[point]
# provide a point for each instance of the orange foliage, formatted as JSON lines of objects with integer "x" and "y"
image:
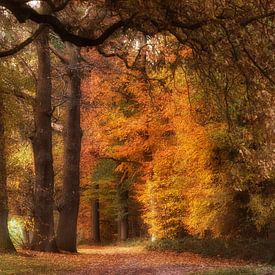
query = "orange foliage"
{"x": 145, "y": 123}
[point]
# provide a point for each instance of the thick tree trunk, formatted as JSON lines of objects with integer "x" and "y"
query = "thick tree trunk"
{"x": 95, "y": 219}
{"x": 67, "y": 225}
{"x": 43, "y": 238}
{"x": 5, "y": 241}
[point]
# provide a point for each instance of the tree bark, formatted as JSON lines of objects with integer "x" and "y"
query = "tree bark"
{"x": 6, "y": 244}
{"x": 67, "y": 225}
{"x": 95, "y": 219}
{"x": 43, "y": 238}
{"x": 123, "y": 217}
{"x": 123, "y": 196}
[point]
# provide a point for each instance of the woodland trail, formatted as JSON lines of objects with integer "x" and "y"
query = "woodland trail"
{"x": 135, "y": 260}
{"x": 124, "y": 260}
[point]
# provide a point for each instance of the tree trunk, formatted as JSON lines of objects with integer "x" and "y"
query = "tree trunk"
{"x": 123, "y": 196}
{"x": 6, "y": 244}
{"x": 26, "y": 237}
{"x": 123, "y": 225}
{"x": 67, "y": 225}
{"x": 95, "y": 219}
{"x": 123, "y": 217}
{"x": 43, "y": 238}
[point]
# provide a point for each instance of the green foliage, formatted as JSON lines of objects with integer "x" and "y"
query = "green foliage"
{"x": 103, "y": 187}
{"x": 105, "y": 171}
{"x": 15, "y": 230}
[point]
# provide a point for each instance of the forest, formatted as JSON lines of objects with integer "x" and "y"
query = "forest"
{"x": 137, "y": 130}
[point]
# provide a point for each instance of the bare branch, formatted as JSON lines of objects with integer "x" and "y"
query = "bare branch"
{"x": 20, "y": 95}
{"x": 28, "y": 67}
{"x": 22, "y": 45}
{"x": 249, "y": 20}
{"x": 262, "y": 71}
{"x": 60, "y": 55}
{"x": 24, "y": 12}
{"x": 57, "y": 8}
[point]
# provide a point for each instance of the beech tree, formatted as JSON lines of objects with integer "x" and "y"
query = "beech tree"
{"x": 68, "y": 210}
{"x": 43, "y": 238}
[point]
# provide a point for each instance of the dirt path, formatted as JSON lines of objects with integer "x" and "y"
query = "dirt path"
{"x": 135, "y": 260}
{"x": 122, "y": 260}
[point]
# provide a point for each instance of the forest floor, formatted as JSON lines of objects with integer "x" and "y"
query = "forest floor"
{"x": 122, "y": 260}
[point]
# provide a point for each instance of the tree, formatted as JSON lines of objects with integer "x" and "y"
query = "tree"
{"x": 181, "y": 114}
{"x": 16, "y": 115}
{"x": 23, "y": 12}
{"x": 5, "y": 242}
{"x": 43, "y": 239}
{"x": 95, "y": 217}
{"x": 118, "y": 178}
{"x": 68, "y": 212}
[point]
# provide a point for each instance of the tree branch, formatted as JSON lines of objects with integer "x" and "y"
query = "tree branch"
{"x": 249, "y": 20}
{"x": 64, "y": 59}
{"x": 20, "y": 95}
{"x": 28, "y": 67}
{"x": 120, "y": 160}
{"x": 24, "y": 12}
{"x": 22, "y": 45}
{"x": 262, "y": 71}
{"x": 57, "y": 8}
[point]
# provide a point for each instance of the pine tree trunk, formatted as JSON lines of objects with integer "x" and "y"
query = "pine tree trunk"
{"x": 43, "y": 238}
{"x": 95, "y": 219}
{"x": 6, "y": 244}
{"x": 67, "y": 225}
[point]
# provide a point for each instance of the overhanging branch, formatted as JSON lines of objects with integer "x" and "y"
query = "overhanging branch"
{"x": 249, "y": 20}
{"x": 24, "y": 12}
{"x": 22, "y": 45}
{"x": 57, "y": 8}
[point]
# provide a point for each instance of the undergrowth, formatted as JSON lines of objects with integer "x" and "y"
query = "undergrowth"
{"x": 254, "y": 250}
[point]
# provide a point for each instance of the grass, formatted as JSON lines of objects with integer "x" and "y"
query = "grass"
{"x": 237, "y": 271}
{"x": 34, "y": 263}
{"x": 233, "y": 271}
{"x": 134, "y": 242}
{"x": 252, "y": 250}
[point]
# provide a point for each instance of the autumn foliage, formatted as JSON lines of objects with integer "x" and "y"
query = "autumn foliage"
{"x": 136, "y": 119}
